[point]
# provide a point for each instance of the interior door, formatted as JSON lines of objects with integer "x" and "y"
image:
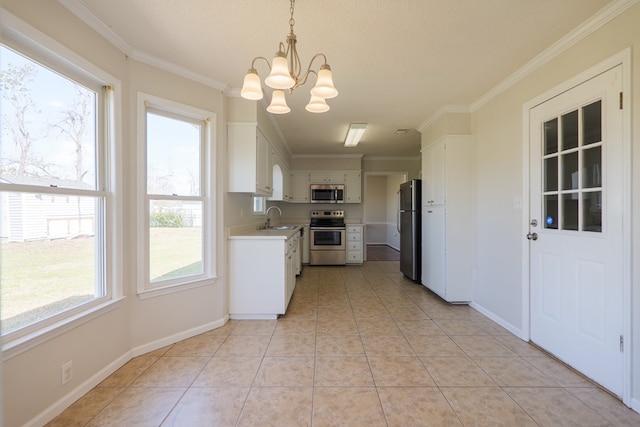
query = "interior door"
{"x": 576, "y": 233}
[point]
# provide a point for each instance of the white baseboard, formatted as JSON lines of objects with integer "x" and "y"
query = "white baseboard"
{"x": 60, "y": 405}
{"x": 383, "y": 244}
{"x": 56, "y": 408}
{"x": 172, "y": 339}
{"x": 635, "y": 404}
{"x": 500, "y": 321}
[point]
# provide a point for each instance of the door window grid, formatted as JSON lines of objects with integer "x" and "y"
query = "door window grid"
{"x": 572, "y": 170}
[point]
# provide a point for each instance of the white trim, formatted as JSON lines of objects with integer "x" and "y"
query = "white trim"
{"x": 605, "y": 15}
{"x": 68, "y": 399}
{"x": 624, "y": 59}
{"x": 499, "y": 320}
{"x": 172, "y": 339}
{"x": 445, "y": 109}
{"x": 85, "y": 15}
{"x": 327, "y": 156}
{"x": 209, "y": 195}
{"x": 27, "y": 342}
{"x": 108, "y": 175}
{"x": 63, "y": 403}
{"x": 178, "y": 287}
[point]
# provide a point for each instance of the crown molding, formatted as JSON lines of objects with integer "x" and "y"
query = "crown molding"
{"x": 85, "y": 15}
{"x": 605, "y": 15}
{"x": 445, "y": 109}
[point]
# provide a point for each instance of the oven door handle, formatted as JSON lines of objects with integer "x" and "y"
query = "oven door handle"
{"x": 327, "y": 228}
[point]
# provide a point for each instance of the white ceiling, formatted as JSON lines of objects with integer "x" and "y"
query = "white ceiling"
{"x": 395, "y": 62}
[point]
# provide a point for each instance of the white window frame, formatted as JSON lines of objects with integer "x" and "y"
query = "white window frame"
{"x": 30, "y": 42}
{"x": 145, "y": 288}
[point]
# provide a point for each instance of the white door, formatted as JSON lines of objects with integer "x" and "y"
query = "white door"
{"x": 576, "y": 200}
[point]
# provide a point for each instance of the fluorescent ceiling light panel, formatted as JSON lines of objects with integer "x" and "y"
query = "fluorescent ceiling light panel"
{"x": 355, "y": 133}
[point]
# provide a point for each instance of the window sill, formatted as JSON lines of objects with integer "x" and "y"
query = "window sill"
{"x": 170, "y": 289}
{"x": 26, "y": 342}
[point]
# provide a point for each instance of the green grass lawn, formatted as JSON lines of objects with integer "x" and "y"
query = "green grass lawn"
{"x": 41, "y": 278}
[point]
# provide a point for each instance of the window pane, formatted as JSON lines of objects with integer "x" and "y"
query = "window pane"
{"x": 570, "y": 211}
{"x": 551, "y": 212}
{"x": 551, "y": 136}
{"x": 551, "y": 174}
{"x": 570, "y": 171}
{"x": 48, "y": 256}
{"x": 591, "y": 161}
{"x": 48, "y": 126}
{"x": 570, "y": 130}
{"x": 173, "y": 156}
{"x": 175, "y": 239}
{"x": 592, "y": 123}
{"x": 592, "y": 211}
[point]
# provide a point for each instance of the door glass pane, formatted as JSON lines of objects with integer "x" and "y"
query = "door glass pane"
{"x": 592, "y": 211}
{"x": 591, "y": 162}
{"x": 551, "y": 136}
{"x": 551, "y": 211}
{"x": 175, "y": 239}
{"x": 551, "y": 174}
{"x": 570, "y": 130}
{"x": 592, "y": 123}
{"x": 570, "y": 171}
{"x": 570, "y": 211}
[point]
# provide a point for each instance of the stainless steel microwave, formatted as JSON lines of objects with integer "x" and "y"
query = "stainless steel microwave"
{"x": 327, "y": 193}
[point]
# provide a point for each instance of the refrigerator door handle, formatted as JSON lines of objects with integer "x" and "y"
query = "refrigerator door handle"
{"x": 398, "y": 211}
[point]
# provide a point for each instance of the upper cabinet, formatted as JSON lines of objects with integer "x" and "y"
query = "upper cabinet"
{"x": 326, "y": 177}
{"x": 250, "y": 160}
{"x": 301, "y": 180}
{"x": 353, "y": 187}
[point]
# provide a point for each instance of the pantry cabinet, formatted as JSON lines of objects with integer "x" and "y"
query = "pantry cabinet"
{"x": 446, "y": 218}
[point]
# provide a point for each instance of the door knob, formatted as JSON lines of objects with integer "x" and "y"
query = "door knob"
{"x": 532, "y": 236}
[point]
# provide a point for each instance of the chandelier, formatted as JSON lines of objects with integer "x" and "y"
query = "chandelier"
{"x": 286, "y": 73}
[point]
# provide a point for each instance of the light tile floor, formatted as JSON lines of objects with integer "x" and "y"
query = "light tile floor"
{"x": 359, "y": 346}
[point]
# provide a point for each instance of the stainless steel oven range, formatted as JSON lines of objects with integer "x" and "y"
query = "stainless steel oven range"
{"x": 327, "y": 234}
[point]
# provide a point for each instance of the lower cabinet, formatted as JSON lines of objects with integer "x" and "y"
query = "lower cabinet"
{"x": 262, "y": 276}
{"x": 355, "y": 244}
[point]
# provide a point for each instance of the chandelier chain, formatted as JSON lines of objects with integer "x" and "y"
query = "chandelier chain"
{"x": 292, "y": 21}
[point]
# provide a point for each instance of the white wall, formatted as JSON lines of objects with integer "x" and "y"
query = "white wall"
{"x": 498, "y": 176}
{"x": 31, "y": 377}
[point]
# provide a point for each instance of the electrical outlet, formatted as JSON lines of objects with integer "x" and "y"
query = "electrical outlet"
{"x": 67, "y": 372}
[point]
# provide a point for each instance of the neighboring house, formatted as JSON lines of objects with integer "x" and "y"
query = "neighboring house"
{"x": 50, "y": 217}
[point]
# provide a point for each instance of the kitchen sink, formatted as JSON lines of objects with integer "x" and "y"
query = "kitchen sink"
{"x": 283, "y": 227}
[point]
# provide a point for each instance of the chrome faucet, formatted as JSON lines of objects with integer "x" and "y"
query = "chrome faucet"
{"x": 268, "y": 224}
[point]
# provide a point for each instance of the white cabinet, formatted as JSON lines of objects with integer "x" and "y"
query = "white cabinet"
{"x": 446, "y": 216}
{"x": 326, "y": 177}
{"x": 433, "y": 174}
{"x": 355, "y": 244}
{"x": 300, "y": 187}
{"x": 262, "y": 276}
{"x": 250, "y": 160}
{"x": 353, "y": 187}
{"x": 301, "y": 180}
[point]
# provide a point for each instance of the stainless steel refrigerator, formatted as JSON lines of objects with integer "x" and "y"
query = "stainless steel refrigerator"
{"x": 409, "y": 226}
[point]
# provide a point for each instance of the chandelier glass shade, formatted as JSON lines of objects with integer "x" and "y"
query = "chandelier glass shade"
{"x": 286, "y": 74}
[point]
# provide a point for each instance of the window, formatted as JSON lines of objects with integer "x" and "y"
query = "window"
{"x": 53, "y": 194}
{"x": 259, "y": 207}
{"x": 177, "y": 211}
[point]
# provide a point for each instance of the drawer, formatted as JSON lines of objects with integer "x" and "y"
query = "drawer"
{"x": 354, "y": 246}
{"x": 354, "y": 236}
{"x": 354, "y": 257}
{"x": 354, "y": 229}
